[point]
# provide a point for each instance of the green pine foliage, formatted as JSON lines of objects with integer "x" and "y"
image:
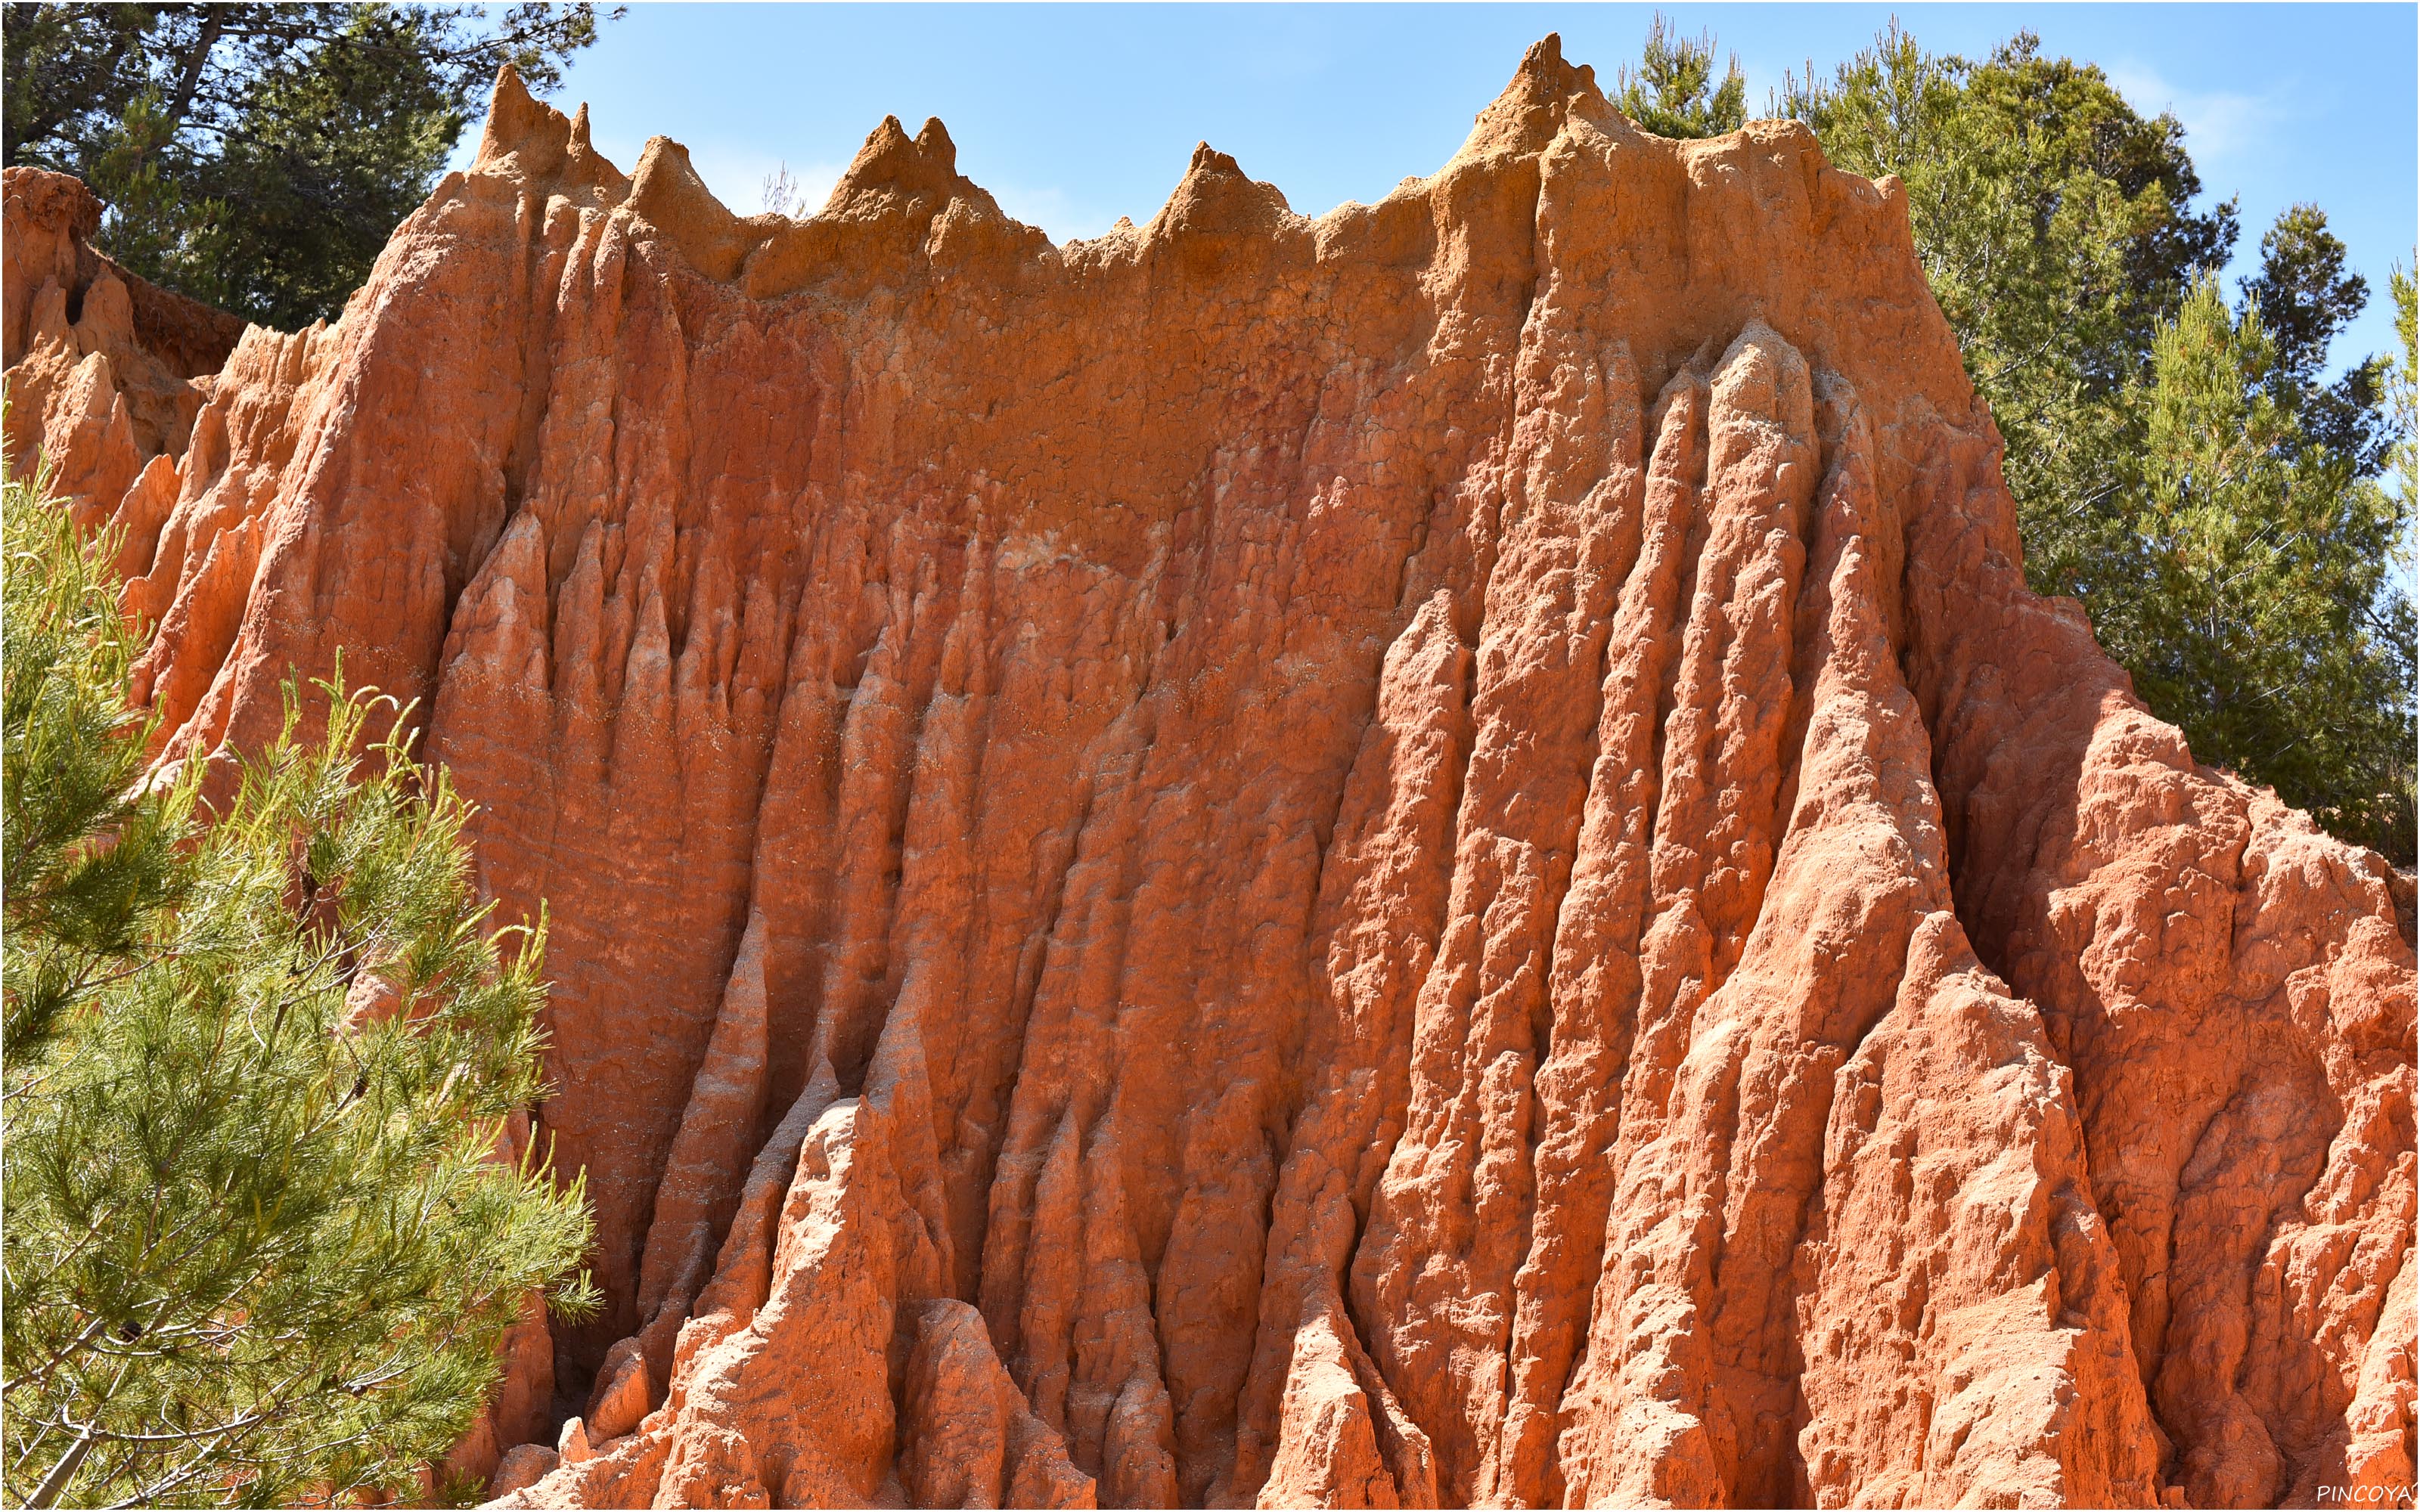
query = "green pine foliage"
{"x": 258, "y": 156}
{"x": 2255, "y": 598}
{"x": 2401, "y": 379}
{"x": 76, "y": 911}
{"x": 2054, "y": 226}
{"x": 2180, "y": 466}
{"x": 258, "y": 1244}
{"x": 2306, "y": 295}
{"x": 1672, "y": 92}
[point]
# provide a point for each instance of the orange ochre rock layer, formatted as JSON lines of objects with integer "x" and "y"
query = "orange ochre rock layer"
{"x": 1430, "y": 857}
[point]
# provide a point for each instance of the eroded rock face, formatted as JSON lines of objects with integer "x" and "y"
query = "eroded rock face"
{"x": 1433, "y": 856}
{"x": 106, "y": 370}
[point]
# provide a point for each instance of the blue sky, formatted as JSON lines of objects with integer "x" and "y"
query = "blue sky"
{"x": 1075, "y": 115}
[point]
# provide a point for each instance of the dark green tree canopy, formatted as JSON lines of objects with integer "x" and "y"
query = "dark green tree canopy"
{"x": 2182, "y": 468}
{"x": 2306, "y": 297}
{"x": 2304, "y": 294}
{"x": 258, "y": 156}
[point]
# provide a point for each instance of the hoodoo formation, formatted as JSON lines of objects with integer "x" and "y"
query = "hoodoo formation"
{"x": 1433, "y": 856}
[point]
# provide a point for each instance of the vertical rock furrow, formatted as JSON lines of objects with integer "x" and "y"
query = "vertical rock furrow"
{"x": 1198, "y": 1154}
{"x": 1822, "y": 959}
{"x": 2205, "y": 961}
{"x": 1449, "y": 1222}
{"x": 702, "y": 1185}
{"x": 877, "y": 748}
{"x": 968, "y": 1440}
{"x": 1959, "y": 1305}
{"x": 1594, "y": 984}
{"x": 933, "y": 934}
{"x": 1652, "y": 1356}
{"x": 228, "y": 482}
{"x": 2007, "y": 1243}
{"x": 1381, "y": 906}
{"x": 1057, "y": 1199}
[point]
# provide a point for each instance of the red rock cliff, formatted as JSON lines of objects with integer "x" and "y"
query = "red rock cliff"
{"x": 1432, "y": 855}
{"x": 106, "y": 370}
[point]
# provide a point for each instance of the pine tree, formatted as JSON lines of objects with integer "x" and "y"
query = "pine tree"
{"x": 2253, "y": 598}
{"x": 1672, "y": 92}
{"x": 2184, "y": 471}
{"x": 2306, "y": 297}
{"x": 258, "y": 1241}
{"x": 2056, "y": 229}
{"x": 258, "y": 156}
{"x": 2401, "y": 379}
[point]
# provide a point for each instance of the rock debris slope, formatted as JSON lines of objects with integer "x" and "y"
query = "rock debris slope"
{"x": 1427, "y": 856}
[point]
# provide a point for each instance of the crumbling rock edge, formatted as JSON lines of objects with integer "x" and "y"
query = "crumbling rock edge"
{"x": 1433, "y": 856}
